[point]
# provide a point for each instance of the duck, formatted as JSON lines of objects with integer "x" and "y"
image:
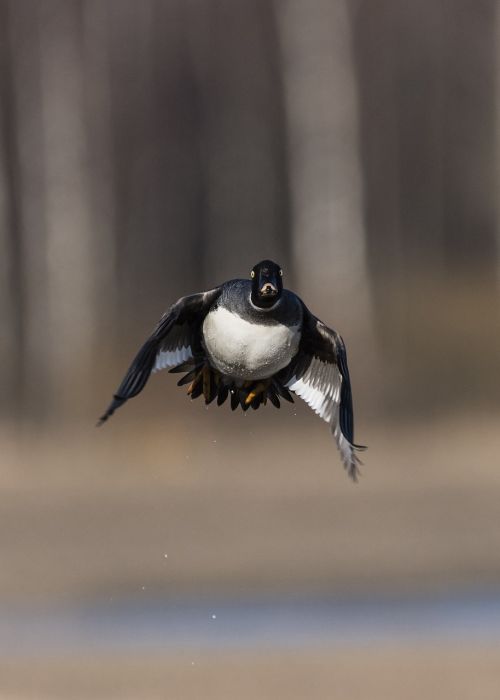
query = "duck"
{"x": 251, "y": 341}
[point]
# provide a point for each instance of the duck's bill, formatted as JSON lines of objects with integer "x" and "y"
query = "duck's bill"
{"x": 268, "y": 290}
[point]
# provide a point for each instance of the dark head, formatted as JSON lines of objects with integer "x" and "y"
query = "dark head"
{"x": 267, "y": 283}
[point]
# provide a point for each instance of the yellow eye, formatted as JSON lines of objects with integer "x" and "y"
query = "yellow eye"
{"x": 281, "y": 273}
{"x": 252, "y": 274}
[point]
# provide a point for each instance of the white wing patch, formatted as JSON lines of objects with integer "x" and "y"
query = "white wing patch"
{"x": 166, "y": 359}
{"x": 319, "y": 387}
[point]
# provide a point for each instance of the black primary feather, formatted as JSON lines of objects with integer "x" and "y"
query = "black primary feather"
{"x": 222, "y": 393}
{"x": 187, "y": 310}
{"x": 235, "y": 401}
{"x": 189, "y": 377}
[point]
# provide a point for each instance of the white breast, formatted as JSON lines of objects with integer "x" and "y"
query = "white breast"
{"x": 245, "y": 350}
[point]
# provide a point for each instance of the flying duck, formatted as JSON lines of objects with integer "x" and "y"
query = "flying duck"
{"x": 252, "y": 341}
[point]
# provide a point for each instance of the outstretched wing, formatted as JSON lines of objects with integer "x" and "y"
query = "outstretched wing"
{"x": 174, "y": 340}
{"x": 320, "y": 376}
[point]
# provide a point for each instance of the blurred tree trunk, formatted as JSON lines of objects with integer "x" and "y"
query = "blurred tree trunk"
{"x": 470, "y": 195}
{"x": 399, "y": 58}
{"x": 70, "y": 244}
{"x": 426, "y": 84}
{"x": 155, "y": 148}
{"x": 427, "y": 98}
{"x": 11, "y": 286}
{"x": 96, "y": 112}
{"x": 27, "y": 227}
{"x": 326, "y": 183}
{"x": 241, "y": 135}
{"x": 57, "y": 270}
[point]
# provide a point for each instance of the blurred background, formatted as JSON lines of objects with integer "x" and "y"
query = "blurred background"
{"x": 154, "y": 148}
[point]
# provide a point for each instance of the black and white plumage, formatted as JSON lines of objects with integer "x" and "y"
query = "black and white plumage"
{"x": 252, "y": 341}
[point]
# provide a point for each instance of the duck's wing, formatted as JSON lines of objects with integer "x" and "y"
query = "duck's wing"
{"x": 320, "y": 376}
{"x": 175, "y": 340}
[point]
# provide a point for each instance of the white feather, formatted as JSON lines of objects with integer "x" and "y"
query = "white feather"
{"x": 166, "y": 359}
{"x": 245, "y": 350}
{"x": 320, "y": 387}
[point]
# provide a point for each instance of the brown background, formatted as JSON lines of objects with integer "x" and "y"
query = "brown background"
{"x": 151, "y": 149}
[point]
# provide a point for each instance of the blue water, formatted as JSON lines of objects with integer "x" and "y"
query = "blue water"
{"x": 166, "y": 624}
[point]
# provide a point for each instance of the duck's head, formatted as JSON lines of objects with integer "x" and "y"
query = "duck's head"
{"x": 267, "y": 283}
